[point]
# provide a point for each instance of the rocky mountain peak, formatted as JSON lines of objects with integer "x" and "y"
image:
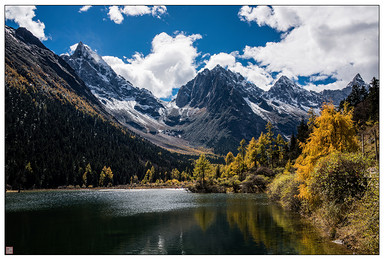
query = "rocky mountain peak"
{"x": 358, "y": 77}
{"x": 28, "y": 37}
{"x": 120, "y": 97}
{"x": 284, "y": 83}
{"x": 80, "y": 49}
{"x": 83, "y": 51}
{"x": 286, "y": 91}
{"x": 210, "y": 85}
{"x": 218, "y": 68}
{"x": 234, "y": 76}
{"x": 357, "y": 80}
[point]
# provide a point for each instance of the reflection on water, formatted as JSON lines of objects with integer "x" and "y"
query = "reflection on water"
{"x": 251, "y": 218}
{"x": 156, "y": 222}
{"x": 204, "y": 217}
{"x": 281, "y": 232}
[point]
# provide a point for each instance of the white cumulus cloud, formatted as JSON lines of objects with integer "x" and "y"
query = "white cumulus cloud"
{"x": 255, "y": 74}
{"x": 84, "y": 8}
{"x": 280, "y": 18}
{"x": 222, "y": 59}
{"x": 23, "y": 16}
{"x": 251, "y": 72}
{"x": 332, "y": 41}
{"x": 116, "y": 13}
{"x": 135, "y": 10}
{"x": 170, "y": 64}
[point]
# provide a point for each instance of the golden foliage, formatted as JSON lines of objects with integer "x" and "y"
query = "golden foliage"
{"x": 332, "y": 131}
{"x": 203, "y": 169}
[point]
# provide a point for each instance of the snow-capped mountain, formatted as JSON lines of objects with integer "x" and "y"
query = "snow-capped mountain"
{"x": 228, "y": 108}
{"x": 223, "y": 107}
{"x": 358, "y": 81}
{"x": 211, "y": 111}
{"x": 130, "y": 105}
{"x": 285, "y": 90}
{"x": 136, "y": 108}
{"x": 214, "y": 110}
{"x": 198, "y": 92}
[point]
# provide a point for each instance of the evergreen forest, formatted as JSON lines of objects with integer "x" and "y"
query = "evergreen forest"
{"x": 50, "y": 143}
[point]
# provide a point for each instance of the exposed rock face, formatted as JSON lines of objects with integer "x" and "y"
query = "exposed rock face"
{"x": 285, "y": 90}
{"x": 215, "y": 110}
{"x": 223, "y": 108}
{"x": 126, "y": 102}
{"x": 219, "y": 116}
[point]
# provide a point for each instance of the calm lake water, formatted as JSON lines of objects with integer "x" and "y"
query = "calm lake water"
{"x": 158, "y": 221}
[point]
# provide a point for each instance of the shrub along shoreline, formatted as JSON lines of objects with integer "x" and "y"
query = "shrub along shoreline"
{"x": 346, "y": 201}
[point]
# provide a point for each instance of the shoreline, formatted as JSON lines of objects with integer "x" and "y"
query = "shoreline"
{"x": 120, "y": 187}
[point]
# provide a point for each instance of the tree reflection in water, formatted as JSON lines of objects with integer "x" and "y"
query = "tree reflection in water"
{"x": 204, "y": 217}
{"x": 156, "y": 222}
{"x": 278, "y": 230}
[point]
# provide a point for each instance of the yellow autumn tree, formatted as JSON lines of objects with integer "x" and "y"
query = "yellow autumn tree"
{"x": 263, "y": 143}
{"x": 87, "y": 176}
{"x": 151, "y": 176}
{"x": 332, "y": 131}
{"x": 251, "y": 155}
{"x": 229, "y": 158}
{"x": 240, "y": 160}
{"x": 106, "y": 176}
{"x": 175, "y": 174}
{"x": 202, "y": 170}
{"x": 146, "y": 177}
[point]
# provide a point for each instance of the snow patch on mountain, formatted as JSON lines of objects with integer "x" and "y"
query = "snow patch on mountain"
{"x": 258, "y": 110}
{"x": 120, "y": 97}
{"x": 209, "y": 110}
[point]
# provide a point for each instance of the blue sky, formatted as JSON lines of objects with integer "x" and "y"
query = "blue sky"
{"x": 163, "y": 47}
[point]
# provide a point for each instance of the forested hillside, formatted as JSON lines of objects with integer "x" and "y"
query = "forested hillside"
{"x": 57, "y": 134}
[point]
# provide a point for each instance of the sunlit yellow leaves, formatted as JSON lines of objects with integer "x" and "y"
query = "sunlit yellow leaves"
{"x": 332, "y": 131}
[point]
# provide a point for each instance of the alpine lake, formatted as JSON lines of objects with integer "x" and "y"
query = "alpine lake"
{"x": 156, "y": 221}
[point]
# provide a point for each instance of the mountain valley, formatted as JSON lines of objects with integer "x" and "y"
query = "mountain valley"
{"x": 213, "y": 111}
